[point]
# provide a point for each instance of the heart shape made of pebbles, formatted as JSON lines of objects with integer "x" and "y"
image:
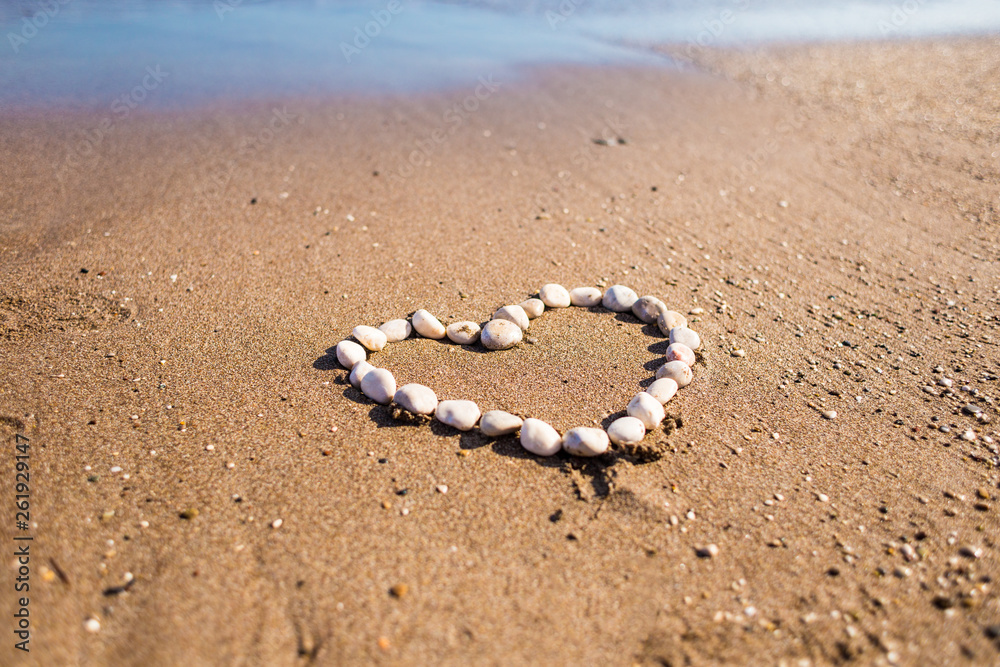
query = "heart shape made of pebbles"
{"x": 506, "y": 330}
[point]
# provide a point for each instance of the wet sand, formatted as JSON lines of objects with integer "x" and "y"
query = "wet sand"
{"x": 177, "y": 286}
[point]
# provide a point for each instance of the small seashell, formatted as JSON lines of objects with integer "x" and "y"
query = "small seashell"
{"x": 396, "y": 330}
{"x": 646, "y": 409}
{"x": 500, "y": 335}
{"x": 586, "y": 297}
{"x": 427, "y": 325}
{"x": 350, "y": 353}
{"x": 513, "y": 314}
{"x": 379, "y": 385}
{"x": 540, "y": 438}
{"x": 680, "y": 352}
{"x": 648, "y": 309}
{"x": 416, "y": 398}
{"x": 627, "y": 431}
{"x": 662, "y": 390}
{"x": 498, "y": 422}
{"x": 370, "y": 337}
{"x": 686, "y": 336}
{"x": 533, "y": 307}
{"x": 584, "y": 441}
{"x": 462, "y": 415}
{"x": 678, "y": 371}
{"x": 358, "y": 373}
{"x": 619, "y": 299}
{"x": 463, "y": 333}
{"x": 670, "y": 319}
{"x": 554, "y": 296}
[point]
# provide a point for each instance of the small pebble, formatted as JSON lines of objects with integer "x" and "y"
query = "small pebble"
{"x": 969, "y": 435}
{"x": 739, "y": 352}
{"x": 648, "y": 309}
{"x": 670, "y": 319}
{"x": 497, "y": 422}
{"x": 829, "y": 414}
{"x": 370, "y": 337}
{"x": 379, "y": 385}
{"x": 533, "y": 307}
{"x": 500, "y": 335}
{"x": 586, "y": 297}
{"x": 554, "y": 296}
{"x": 686, "y": 336}
{"x": 710, "y": 551}
{"x": 399, "y": 592}
{"x": 416, "y": 398}
{"x": 513, "y": 314}
{"x": 619, "y": 298}
{"x": 350, "y": 353}
{"x": 627, "y": 431}
{"x": 678, "y": 371}
{"x": 663, "y": 389}
{"x": 442, "y": 488}
{"x": 971, "y": 409}
{"x": 277, "y": 523}
{"x": 646, "y": 409}
{"x": 945, "y": 382}
{"x": 396, "y": 330}
{"x": 584, "y": 441}
{"x": 462, "y": 415}
{"x": 463, "y": 333}
{"x": 540, "y": 438}
{"x": 359, "y": 371}
{"x": 92, "y": 625}
{"x": 427, "y": 325}
{"x": 680, "y": 352}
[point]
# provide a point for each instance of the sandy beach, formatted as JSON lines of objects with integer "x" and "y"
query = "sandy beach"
{"x": 208, "y": 487}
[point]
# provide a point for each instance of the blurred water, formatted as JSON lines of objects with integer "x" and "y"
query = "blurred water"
{"x": 78, "y": 53}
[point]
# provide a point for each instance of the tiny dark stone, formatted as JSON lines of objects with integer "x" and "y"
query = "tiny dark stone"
{"x": 556, "y": 516}
{"x": 383, "y": 460}
{"x": 402, "y": 492}
{"x": 84, "y": 270}
{"x": 993, "y": 631}
{"x": 253, "y": 201}
{"x": 943, "y": 602}
{"x": 833, "y": 572}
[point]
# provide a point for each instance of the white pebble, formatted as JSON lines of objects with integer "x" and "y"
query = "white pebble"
{"x": 627, "y": 431}
{"x": 680, "y": 352}
{"x": 584, "y": 441}
{"x": 379, "y": 385}
{"x": 513, "y": 314}
{"x": 646, "y": 409}
{"x": 497, "y": 422}
{"x": 463, "y": 333}
{"x": 462, "y": 415}
{"x": 416, "y": 398}
{"x": 662, "y": 390}
{"x": 360, "y": 370}
{"x": 670, "y": 319}
{"x": 540, "y": 438}
{"x": 586, "y": 297}
{"x": 396, "y": 330}
{"x": 350, "y": 353}
{"x": 619, "y": 298}
{"x": 969, "y": 435}
{"x": 648, "y": 309}
{"x": 500, "y": 335}
{"x": 92, "y": 625}
{"x": 370, "y": 337}
{"x": 554, "y": 296}
{"x": 686, "y": 336}
{"x": 829, "y": 414}
{"x": 427, "y": 325}
{"x": 533, "y": 307}
{"x": 678, "y": 371}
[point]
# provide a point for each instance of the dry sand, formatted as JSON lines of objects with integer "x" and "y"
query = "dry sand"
{"x": 832, "y": 210}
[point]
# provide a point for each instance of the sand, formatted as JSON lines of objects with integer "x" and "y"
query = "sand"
{"x": 170, "y": 301}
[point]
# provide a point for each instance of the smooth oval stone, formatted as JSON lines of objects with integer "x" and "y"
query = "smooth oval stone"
{"x": 686, "y": 336}
{"x": 646, "y": 409}
{"x": 540, "y": 438}
{"x": 669, "y": 319}
{"x": 627, "y": 431}
{"x": 533, "y": 307}
{"x": 554, "y": 296}
{"x": 427, "y": 325}
{"x": 648, "y": 309}
{"x": 678, "y": 371}
{"x": 585, "y": 296}
{"x": 498, "y": 422}
{"x": 619, "y": 299}
{"x": 350, "y": 353}
{"x": 462, "y": 415}
{"x": 379, "y": 385}
{"x": 370, "y": 337}
{"x": 513, "y": 314}
{"x": 500, "y": 335}
{"x": 463, "y": 333}
{"x": 680, "y": 352}
{"x": 396, "y": 330}
{"x": 662, "y": 390}
{"x": 416, "y": 398}
{"x": 583, "y": 441}
{"x": 358, "y": 373}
